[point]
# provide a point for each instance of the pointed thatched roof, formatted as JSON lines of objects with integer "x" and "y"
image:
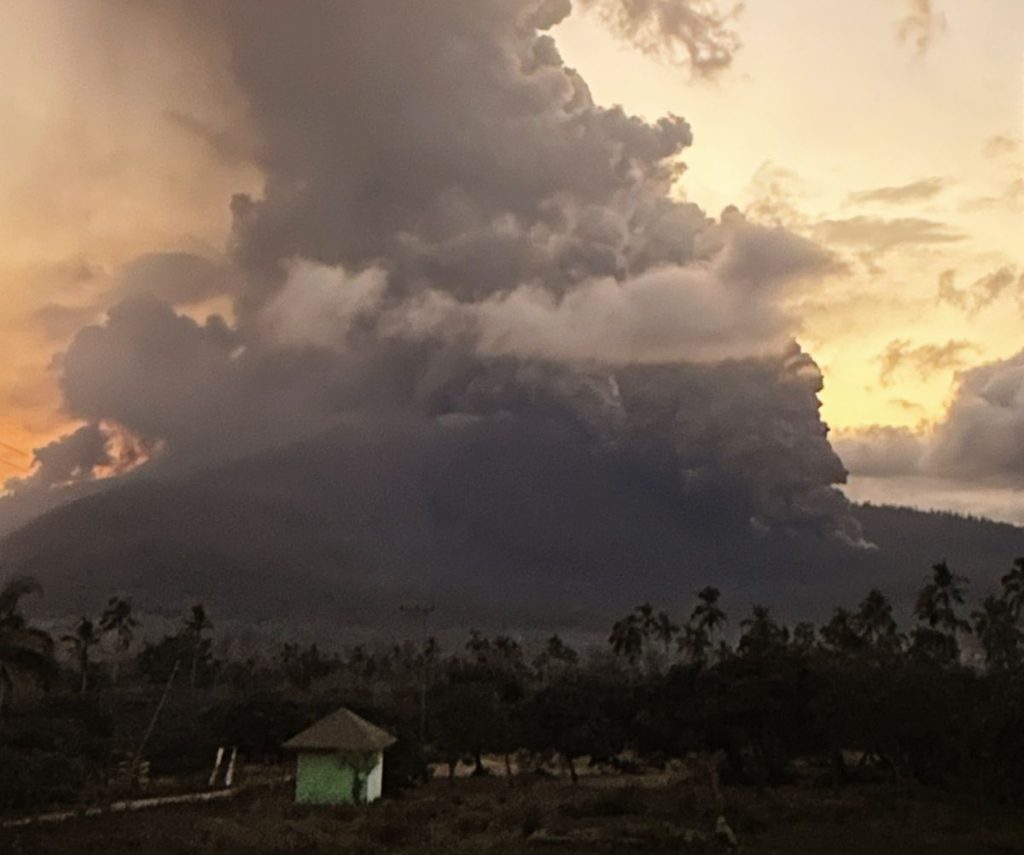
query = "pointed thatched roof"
{"x": 341, "y": 731}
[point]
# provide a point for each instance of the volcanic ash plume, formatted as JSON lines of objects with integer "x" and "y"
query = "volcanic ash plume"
{"x": 451, "y": 227}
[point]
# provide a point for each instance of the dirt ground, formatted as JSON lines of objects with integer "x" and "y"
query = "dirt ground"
{"x": 537, "y": 814}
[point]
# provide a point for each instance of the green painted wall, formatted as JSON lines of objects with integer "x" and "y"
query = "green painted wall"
{"x": 323, "y": 778}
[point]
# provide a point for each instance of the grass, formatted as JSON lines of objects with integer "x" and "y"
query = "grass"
{"x": 492, "y": 816}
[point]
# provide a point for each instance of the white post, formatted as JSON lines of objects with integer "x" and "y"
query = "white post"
{"x": 216, "y": 766}
{"x": 229, "y": 779}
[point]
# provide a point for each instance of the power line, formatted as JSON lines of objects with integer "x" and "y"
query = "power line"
{"x": 17, "y": 451}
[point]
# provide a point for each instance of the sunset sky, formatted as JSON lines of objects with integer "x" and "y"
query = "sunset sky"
{"x": 889, "y": 132}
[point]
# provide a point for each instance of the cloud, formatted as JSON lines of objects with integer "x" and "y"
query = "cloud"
{"x": 915, "y": 191}
{"x": 983, "y": 292}
{"x": 982, "y": 435}
{"x": 230, "y": 144}
{"x": 882, "y": 234}
{"x": 58, "y": 321}
{"x": 451, "y": 228}
{"x": 1001, "y": 145}
{"x": 93, "y": 451}
{"x": 925, "y": 359}
{"x": 1012, "y": 199}
{"x": 921, "y": 25}
{"x": 880, "y": 451}
{"x": 177, "y": 278}
{"x": 730, "y": 308}
{"x": 697, "y": 33}
{"x": 776, "y": 197}
{"x": 979, "y": 440}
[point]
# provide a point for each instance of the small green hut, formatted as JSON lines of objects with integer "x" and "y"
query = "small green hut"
{"x": 339, "y": 760}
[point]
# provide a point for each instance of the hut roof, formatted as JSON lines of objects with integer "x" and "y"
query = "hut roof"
{"x": 341, "y": 731}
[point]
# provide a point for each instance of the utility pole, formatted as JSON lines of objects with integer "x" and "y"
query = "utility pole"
{"x": 137, "y": 761}
{"x": 422, "y": 612}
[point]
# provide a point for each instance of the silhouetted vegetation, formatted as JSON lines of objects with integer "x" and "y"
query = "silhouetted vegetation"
{"x": 860, "y": 698}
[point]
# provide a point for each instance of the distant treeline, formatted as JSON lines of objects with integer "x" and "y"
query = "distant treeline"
{"x": 859, "y": 696}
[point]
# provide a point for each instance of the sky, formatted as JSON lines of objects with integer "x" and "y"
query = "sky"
{"x": 876, "y": 147}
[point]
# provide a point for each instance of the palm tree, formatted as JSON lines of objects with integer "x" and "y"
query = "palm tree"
{"x": 761, "y": 634}
{"x": 1013, "y": 588}
{"x": 80, "y": 642}
{"x": 119, "y": 621}
{"x": 627, "y": 638}
{"x": 937, "y": 608}
{"x": 706, "y": 614}
{"x": 875, "y": 625}
{"x": 705, "y": 619}
{"x": 24, "y": 650}
{"x": 645, "y": 618}
{"x": 938, "y": 599}
{"x": 196, "y": 624}
{"x": 555, "y": 651}
{"x": 999, "y": 633}
{"x": 664, "y": 630}
{"x": 840, "y": 634}
{"x": 805, "y": 636}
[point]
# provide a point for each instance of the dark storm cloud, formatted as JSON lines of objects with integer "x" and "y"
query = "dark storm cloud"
{"x": 451, "y": 228}
{"x": 915, "y": 191}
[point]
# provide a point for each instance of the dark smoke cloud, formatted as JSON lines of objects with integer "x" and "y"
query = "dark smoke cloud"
{"x": 177, "y": 278}
{"x": 74, "y": 457}
{"x": 452, "y": 229}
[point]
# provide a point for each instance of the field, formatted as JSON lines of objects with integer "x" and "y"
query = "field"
{"x": 541, "y": 814}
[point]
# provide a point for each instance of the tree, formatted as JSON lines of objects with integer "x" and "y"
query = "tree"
{"x": 761, "y": 634}
{"x": 875, "y": 625}
{"x": 627, "y": 638}
{"x": 119, "y": 621}
{"x": 936, "y": 608}
{"x": 1013, "y": 588}
{"x": 80, "y": 642}
{"x": 999, "y": 633}
{"x": 556, "y": 654}
{"x": 804, "y": 637}
{"x": 705, "y": 620}
{"x": 840, "y": 634}
{"x": 196, "y": 624}
{"x": 664, "y": 630}
{"x": 24, "y": 650}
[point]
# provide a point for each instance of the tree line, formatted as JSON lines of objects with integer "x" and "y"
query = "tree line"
{"x": 940, "y": 702}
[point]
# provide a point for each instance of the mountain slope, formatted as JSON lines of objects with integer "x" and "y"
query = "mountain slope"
{"x": 500, "y": 523}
